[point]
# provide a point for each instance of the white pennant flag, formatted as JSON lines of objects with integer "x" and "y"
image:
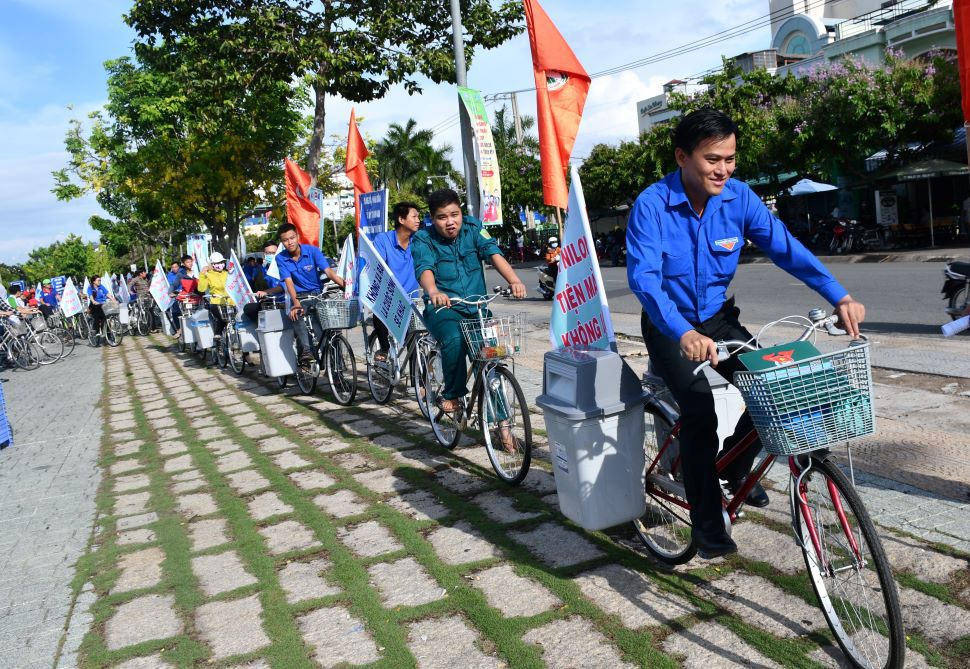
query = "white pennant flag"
{"x": 347, "y": 267}
{"x": 381, "y": 293}
{"x": 159, "y": 288}
{"x": 237, "y": 285}
{"x": 70, "y": 300}
{"x": 124, "y": 295}
{"x": 86, "y": 288}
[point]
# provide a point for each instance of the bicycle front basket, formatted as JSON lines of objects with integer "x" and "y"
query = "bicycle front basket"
{"x": 811, "y": 404}
{"x": 16, "y": 326}
{"x": 493, "y": 337}
{"x": 339, "y": 314}
{"x": 38, "y": 323}
{"x": 111, "y": 308}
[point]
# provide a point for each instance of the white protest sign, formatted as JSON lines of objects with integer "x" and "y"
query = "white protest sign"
{"x": 580, "y": 316}
{"x": 237, "y": 286}
{"x": 159, "y": 288}
{"x": 381, "y": 293}
{"x": 70, "y": 300}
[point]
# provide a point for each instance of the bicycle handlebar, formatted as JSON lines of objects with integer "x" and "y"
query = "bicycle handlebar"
{"x": 725, "y": 349}
{"x": 479, "y": 300}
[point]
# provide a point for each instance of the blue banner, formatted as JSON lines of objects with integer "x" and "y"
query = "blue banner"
{"x": 373, "y": 213}
{"x": 58, "y": 283}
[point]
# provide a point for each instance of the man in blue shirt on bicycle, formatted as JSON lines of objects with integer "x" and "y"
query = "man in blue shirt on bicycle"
{"x": 448, "y": 263}
{"x": 300, "y": 269}
{"x": 394, "y": 246}
{"x": 684, "y": 239}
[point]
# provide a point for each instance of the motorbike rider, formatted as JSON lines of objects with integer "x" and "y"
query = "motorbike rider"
{"x": 551, "y": 256}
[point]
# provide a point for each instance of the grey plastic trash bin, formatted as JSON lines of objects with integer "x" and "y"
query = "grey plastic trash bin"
{"x": 593, "y": 407}
{"x": 276, "y": 343}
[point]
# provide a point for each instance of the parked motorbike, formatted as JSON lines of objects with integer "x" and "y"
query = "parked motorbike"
{"x": 956, "y": 288}
{"x": 547, "y": 282}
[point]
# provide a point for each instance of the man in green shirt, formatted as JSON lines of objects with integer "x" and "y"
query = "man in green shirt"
{"x": 448, "y": 264}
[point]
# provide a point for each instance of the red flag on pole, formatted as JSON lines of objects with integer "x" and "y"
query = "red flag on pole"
{"x": 354, "y": 166}
{"x": 561, "y": 88}
{"x": 300, "y": 211}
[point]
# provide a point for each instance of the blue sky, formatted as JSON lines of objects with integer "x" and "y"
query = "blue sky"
{"x": 52, "y": 54}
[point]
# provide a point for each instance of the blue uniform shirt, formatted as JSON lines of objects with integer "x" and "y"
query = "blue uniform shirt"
{"x": 99, "y": 296}
{"x": 398, "y": 259}
{"x": 679, "y": 266}
{"x": 306, "y": 271}
{"x": 50, "y": 299}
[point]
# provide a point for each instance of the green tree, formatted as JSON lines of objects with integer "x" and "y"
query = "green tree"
{"x": 71, "y": 257}
{"x": 355, "y": 49}
{"x": 406, "y": 158}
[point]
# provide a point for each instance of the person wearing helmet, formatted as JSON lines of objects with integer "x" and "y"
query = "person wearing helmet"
{"x": 551, "y": 255}
{"x": 213, "y": 280}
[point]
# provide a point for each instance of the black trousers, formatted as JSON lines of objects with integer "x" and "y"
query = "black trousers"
{"x": 382, "y": 334}
{"x": 698, "y": 426}
{"x": 216, "y": 319}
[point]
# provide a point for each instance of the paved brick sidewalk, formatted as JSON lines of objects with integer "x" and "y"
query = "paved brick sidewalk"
{"x": 49, "y": 480}
{"x": 246, "y": 528}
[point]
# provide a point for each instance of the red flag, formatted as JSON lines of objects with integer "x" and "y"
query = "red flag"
{"x": 300, "y": 211}
{"x": 961, "y": 17}
{"x": 561, "y": 88}
{"x": 354, "y": 166}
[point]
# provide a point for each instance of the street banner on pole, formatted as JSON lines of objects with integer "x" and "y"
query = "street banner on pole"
{"x": 562, "y": 85}
{"x": 347, "y": 267}
{"x": 489, "y": 182}
{"x": 373, "y": 212}
{"x": 580, "y": 316}
{"x": 70, "y": 300}
{"x": 381, "y": 293}
{"x": 198, "y": 248}
{"x": 159, "y": 287}
{"x": 237, "y": 285}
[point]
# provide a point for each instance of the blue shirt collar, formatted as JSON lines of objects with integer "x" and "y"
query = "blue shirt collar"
{"x": 676, "y": 195}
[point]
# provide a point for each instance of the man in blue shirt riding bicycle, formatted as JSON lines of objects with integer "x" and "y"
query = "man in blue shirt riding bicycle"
{"x": 394, "y": 246}
{"x": 448, "y": 263}
{"x": 684, "y": 239}
{"x": 300, "y": 269}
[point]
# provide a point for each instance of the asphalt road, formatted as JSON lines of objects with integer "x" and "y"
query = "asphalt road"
{"x": 900, "y": 297}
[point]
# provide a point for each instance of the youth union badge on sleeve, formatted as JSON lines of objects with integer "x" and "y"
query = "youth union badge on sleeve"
{"x": 727, "y": 244}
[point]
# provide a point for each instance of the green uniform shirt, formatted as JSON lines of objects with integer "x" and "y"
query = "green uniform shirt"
{"x": 456, "y": 263}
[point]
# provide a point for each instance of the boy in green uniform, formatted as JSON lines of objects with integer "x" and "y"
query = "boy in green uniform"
{"x": 448, "y": 264}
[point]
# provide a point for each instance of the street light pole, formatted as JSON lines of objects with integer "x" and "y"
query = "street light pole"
{"x": 461, "y": 77}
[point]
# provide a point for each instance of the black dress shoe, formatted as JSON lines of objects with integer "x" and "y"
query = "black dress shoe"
{"x": 713, "y": 544}
{"x": 757, "y": 497}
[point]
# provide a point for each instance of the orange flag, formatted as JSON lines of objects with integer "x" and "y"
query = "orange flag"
{"x": 561, "y": 88}
{"x": 300, "y": 211}
{"x": 354, "y": 166}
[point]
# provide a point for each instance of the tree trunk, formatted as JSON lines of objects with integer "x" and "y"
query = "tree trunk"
{"x": 319, "y": 125}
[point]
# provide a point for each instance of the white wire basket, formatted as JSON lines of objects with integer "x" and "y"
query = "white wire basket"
{"x": 38, "y": 323}
{"x": 493, "y": 337}
{"x": 111, "y": 308}
{"x": 16, "y": 325}
{"x": 813, "y": 403}
{"x": 338, "y": 314}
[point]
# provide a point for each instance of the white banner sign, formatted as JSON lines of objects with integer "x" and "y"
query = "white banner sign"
{"x": 159, "y": 287}
{"x": 381, "y": 293}
{"x": 347, "y": 267}
{"x": 237, "y": 285}
{"x": 580, "y": 316}
{"x": 70, "y": 300}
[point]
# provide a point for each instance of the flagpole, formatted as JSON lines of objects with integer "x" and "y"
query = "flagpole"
{"x": 559, "y": 222}
{"x": 461, "y": 78}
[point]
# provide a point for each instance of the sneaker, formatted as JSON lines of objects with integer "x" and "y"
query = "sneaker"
{"x": 306, "y": 359}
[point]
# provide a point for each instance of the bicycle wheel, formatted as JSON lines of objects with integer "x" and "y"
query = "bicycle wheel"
{"x": 847, "y": 566}
{"x": 237, "y": 359}
{"x": 114, "y": 331}
{"x": 306, "y": 377}
{"x": 446, "y": 426}
{"x": 416, "y": 368}
{"x": 664, "y": 528}
{"x": 504, "y": 416}
{"x": 380, "y": 375}
{"x": 67, "y": 339}
{"x": 221, "y": 352}
{"x": 22, "y": 355}
{"x": 281, "y": 381}
{"x": 341, "y": 369}
{"x": 80, "y": 326}
{"x": 51, "y": 347}
{"x": 94, "y": 335}
{"x": 141, "y": 322}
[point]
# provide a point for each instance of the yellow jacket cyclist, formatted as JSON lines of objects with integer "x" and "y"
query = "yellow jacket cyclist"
{"x": 213, "y": 279}
{"x": 448, "y": 263}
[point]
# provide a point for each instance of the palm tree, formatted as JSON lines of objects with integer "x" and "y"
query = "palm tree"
{"x": 396, "y": 153}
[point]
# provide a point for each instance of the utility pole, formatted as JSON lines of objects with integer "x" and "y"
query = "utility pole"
{"x": 461, "y": 77}
{"x": 530, "y": 222}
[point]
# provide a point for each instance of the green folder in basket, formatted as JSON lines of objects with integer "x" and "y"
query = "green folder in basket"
{"x": 766, "y": 358}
